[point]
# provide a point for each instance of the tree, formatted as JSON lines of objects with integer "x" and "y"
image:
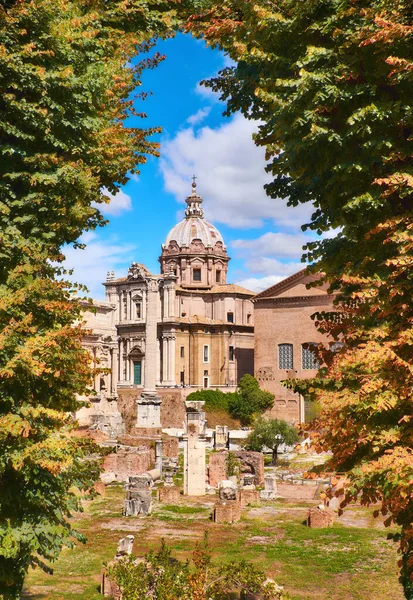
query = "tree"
{"x": 271, "y": 433}
{"x": 162, "y": 577}
{"x": 249, "y": 399}
{"x": 66, "y": 82}
{"x": 330, "y": 83}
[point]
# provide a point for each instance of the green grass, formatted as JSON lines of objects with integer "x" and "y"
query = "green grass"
{"x": 338, "y": 563}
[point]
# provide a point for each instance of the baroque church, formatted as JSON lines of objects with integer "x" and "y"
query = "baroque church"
{"x": 183, "y": 327}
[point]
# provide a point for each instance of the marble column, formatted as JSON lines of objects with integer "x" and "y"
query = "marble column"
{"x": 171, "y": 360}
{"x": 165, "y": 358}
{"x": 149, "y": 403}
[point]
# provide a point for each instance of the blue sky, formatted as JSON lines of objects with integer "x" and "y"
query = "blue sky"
{"x": 262, "y": 235}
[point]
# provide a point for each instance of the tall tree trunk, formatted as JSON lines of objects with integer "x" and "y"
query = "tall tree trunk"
{"x": 274, "y": 455}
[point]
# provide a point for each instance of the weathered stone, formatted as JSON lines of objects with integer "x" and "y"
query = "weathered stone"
{"x": 169, "y": 494}
{"x": 252, "y": 462}
{"x": 217, "y": 470}
{"x": 227, "y": 490}
{"x": 194, "y": 450}
{"x": 127, "y": 461}
{"x": 227, "y": 511}
{"x": 221, "y": 437}
{"x": 138, "y": 496}
{"x": 248, "y": 496}
{"x": 320, "y": 517}
{"x": 108, "y": 587}
{"x": 270, "y": 491}
{"x": 125, "y": 546}
{"x": 170, "y": 448}
{"x": 248, "y": 481}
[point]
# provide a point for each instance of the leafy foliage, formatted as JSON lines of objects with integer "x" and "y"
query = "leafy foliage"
{"x": 271, "y": 433}
{"x": 214, "y": 399}
{"x": 248, "y": 400}
{"x": 162, "y": 577}
{"x": 330, "y": 82}
{"x": 66, "y": 82}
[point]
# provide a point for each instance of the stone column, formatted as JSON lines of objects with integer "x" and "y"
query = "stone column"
{"x": 114, "y": 374}
{"x": 158, "y": 361}
{"x": 194, "y": 450}
{"x": 171, "y": 361}
{"x": 127, "y": 344}
{"x": 164, "y": 360}
{"x": 149, "y": 403}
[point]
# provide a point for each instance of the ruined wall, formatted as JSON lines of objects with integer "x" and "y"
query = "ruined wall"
{"x": 126, "y": 462}
{"x": 172, "y": 407}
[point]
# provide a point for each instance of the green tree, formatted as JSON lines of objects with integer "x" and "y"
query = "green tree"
{"x": 330, "y": 83}
{"x": 162, "y": 577}
{"x": 249, "y": 399}
{"x": 271, "y": 433}
{"x": 66, "y": 82}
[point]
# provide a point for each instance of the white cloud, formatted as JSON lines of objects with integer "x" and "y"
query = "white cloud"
{"x": 199, "y": 116}
{"x": 119, "y": 203}
{"x": 272, "y": 266}
{"x": 272, "y": 244}
{"x": 257, "y": 284}
{"x": 231, "y": 175}
{"x": 91, "y": 265}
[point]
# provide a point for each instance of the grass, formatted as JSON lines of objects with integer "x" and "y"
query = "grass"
{"x": 343, "y": 562}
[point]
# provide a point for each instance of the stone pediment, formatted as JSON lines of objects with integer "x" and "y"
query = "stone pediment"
{"x": 294, "y": 286}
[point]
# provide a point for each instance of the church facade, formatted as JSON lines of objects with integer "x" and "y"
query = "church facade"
{"x": 202, "y": 327}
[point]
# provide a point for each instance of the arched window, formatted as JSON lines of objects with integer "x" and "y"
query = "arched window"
{"x": 285, "y": 356}
{"x": 309, "y": 360}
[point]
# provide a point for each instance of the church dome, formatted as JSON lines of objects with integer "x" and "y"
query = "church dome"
{"x": 194, "y": 226}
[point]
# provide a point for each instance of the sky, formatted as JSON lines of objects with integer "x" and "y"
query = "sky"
{"x": 263, "y": 236}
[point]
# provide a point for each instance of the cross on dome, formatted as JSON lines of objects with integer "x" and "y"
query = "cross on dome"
{"x": 194, "y": 203}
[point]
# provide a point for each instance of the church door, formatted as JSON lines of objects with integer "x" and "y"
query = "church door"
{"x": 137, "y": 372}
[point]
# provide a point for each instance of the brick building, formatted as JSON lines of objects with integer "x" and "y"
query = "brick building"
{"x": 283, "y": 328}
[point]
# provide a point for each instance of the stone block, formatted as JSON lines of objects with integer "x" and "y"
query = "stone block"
{"x": 170, "y": 447}
{"x": 217, "y": 470}
{"x": 270, "y": 490}
{"x": 247, "y": 497}
{"x": 169, "y": 494}
{"x": 221, "y": 437}
{"x": 227, "y": 490}
{"x": 320, "y": 517}
{"x": 125, "y": 462}
{"x": 252, "y": 462}
{"x": 227, "y": 512}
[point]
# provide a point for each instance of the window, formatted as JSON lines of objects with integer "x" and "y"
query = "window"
{"x": 285, "y": 356}
{"x": 182, "y": 351}
{"x": 196, "y": 274}
{"x": 309, "y": 360}
{"x": 230, "y": 317}
{"x": 218, "y": 276}
{"x": 231, "y": 353}
{"x": 206, "y": 354}
{"x": 182, "y": 377}
{"x": 248, "y": 318}
{"x": 138, "y": 310}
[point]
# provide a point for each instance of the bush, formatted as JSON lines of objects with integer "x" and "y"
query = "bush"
{"x": 214, "y": 399}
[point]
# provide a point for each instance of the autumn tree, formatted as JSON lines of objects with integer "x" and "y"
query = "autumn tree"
{"x": 66, "y": 81}
{"x": 271, "y": 433}
{"x": 329, "y": 83}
